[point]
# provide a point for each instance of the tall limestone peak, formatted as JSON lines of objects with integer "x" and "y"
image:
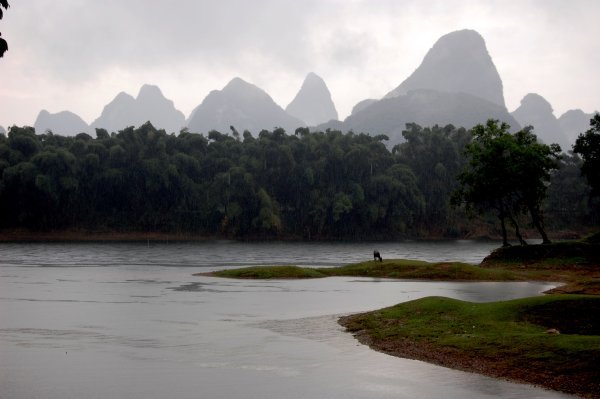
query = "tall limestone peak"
{"x": 313, "y": 103}
{"x": 457, "y": 62}
{"x": 536, "y": 111}
{"x": 64, "y": 123}
{"x": 150, "y": 105}
{"x": 117, "y": 114}
{"x": 242, "y": 105}
{"x": 153, "y": 106}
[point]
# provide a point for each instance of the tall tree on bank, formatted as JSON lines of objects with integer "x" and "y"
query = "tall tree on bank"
{"x": 507, "y": 174}
{"x": 588, "y": 146}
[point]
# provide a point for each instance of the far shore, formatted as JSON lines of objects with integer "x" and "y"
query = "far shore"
{"x": 82, "y": 235}
{"x": 97, "y": 236}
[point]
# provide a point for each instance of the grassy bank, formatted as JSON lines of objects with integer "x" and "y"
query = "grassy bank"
{"x": 399, "y": 269}
{"x": 577, "y": 264}
{"x": 552, "y": 341}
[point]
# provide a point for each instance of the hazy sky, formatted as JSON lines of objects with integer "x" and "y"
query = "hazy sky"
{"x": 77, "y": 55}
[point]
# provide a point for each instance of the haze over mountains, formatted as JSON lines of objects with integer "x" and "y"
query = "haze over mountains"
{"x": 150, "y": 105}
{"x": 243, "y": 106}
{"x": 457, "y": 82}
{"x": 65, "y": 123}
{"x": 313, "y": 103}
{"x": 457, "y": 63}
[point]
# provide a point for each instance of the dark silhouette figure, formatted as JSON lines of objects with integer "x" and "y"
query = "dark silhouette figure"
{"x": 376, "y": 256}
{"x": 3, "y": 3}
{"x": 3, "y": 46}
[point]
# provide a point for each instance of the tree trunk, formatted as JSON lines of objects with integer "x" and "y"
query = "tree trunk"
{"x": 538, "y": 223}
{"x": 504, "y": 238}
{"x": 517, "y": 230}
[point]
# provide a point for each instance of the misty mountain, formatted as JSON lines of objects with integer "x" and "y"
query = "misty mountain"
{"x": 573, "y": 123}
{"x": 362, "y": 105}
{"x": 313, "y": 103}
{"x": 242, "y": 105}
{"x": 457, "y": 62}
{"x": 150, "y": 105}
{"x": 537, "y": 112}
{"x": 64, "y": 123}
{"x": 2, "y": 130}
{"x": 457, "y": 83}
{"x": 425, "y": 107}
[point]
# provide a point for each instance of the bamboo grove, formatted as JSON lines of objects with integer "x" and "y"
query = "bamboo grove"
{"x": 304, "y": 185}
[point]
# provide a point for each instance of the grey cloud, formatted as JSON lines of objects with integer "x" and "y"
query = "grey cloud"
{"x": 76, "y": 39}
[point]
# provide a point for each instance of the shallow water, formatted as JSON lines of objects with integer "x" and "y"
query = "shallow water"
{"x": 129, "y": 320}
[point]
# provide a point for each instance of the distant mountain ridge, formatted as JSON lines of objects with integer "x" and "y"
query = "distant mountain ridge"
{"x": 574, "y": 122}
{"x": 389, "y": 116}
{"x": 456, "y": 82}
{"x": 242, "y": 105}
{"x": 64, "y": 123}
{"x": 536, "y": 111}
{"x": 150, "y": 105}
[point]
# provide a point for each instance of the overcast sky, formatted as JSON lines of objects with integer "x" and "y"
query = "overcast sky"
{"x": 77, "y": 55}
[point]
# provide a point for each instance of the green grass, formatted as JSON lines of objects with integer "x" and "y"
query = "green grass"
{"x": 575, "y": 263}
{"x": 406, "y": 269}
{"x": 510, "y": 335}
{"x": 270, "y": 272}
{"x": 400, "y": 269}
{"x": 414, "y": 269}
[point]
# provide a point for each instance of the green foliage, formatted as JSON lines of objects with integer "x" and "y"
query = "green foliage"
{"x": 588, "y": 146}
{"x": 393, "y": 268}
{"x": 507, "y": 173}
{"x": 312, "y": 185}
{"x": 435, "y": 156}
{"x": 568, "y": 200}
{"x": 270, "y": 272}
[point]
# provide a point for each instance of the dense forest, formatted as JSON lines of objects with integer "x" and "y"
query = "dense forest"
{"x": 306, "y": 185}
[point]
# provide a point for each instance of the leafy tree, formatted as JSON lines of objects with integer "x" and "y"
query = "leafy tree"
{"x": 568, "y": 194}
{"x": 435, "y": 155}
{"x": 588, "y": 146}
{"x": 508, "y": 174}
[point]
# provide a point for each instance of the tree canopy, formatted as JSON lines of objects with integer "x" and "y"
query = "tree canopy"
{"x": 588, "y": 146}
{"x": 508, "y": 173}
{"x": 309, "y": 185}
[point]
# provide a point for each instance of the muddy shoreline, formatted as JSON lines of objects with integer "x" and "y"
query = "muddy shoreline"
{"x": 460, "y": 360}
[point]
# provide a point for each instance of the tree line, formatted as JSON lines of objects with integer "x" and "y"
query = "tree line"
{"x": 308, "y": 185}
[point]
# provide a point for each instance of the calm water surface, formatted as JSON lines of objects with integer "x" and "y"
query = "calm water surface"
{"x": 130, "y": 321}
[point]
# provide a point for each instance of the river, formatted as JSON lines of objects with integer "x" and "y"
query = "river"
{"x": 129, "y": 320}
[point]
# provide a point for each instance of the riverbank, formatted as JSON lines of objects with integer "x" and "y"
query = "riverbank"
{"x": 84, "y": 235}
{"x": 576, "y": 264}
{"x": 551, "y": 341}
{"x": 96, "y": 236}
